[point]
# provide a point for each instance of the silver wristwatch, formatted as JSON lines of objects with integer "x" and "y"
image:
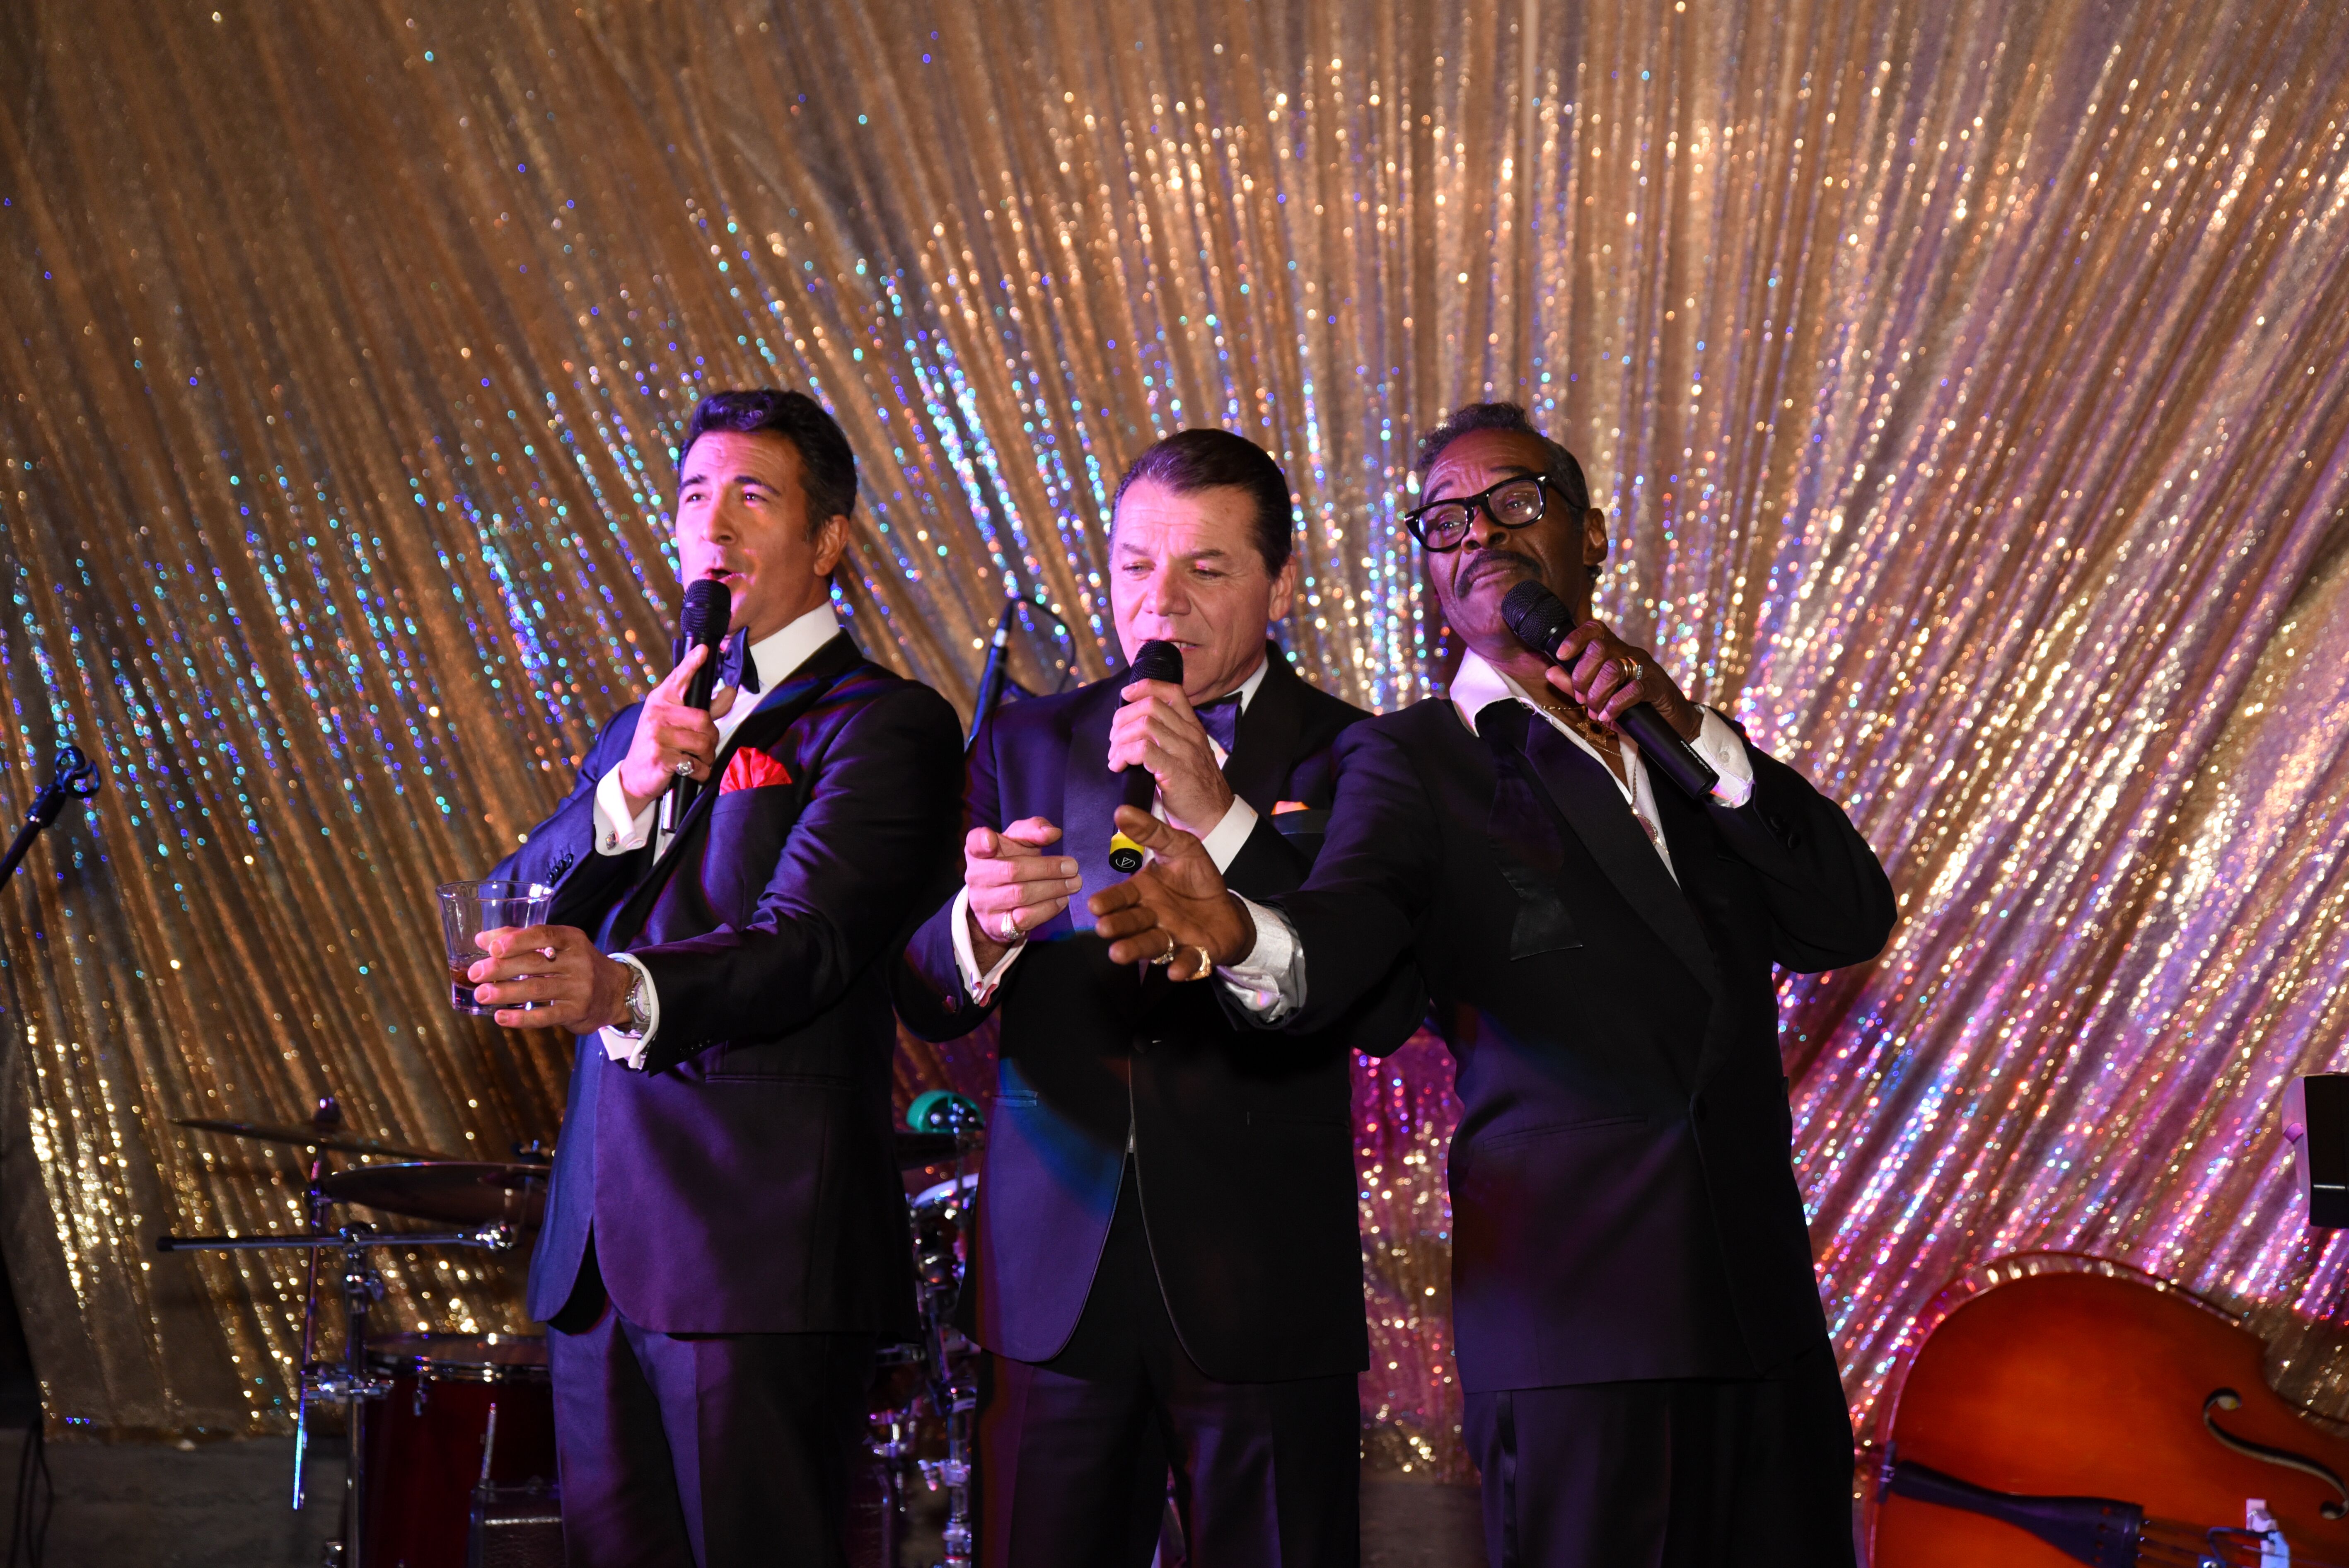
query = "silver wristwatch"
{"x": 640, "y": 1017}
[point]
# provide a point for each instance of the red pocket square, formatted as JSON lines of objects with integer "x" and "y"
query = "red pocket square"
{"x": 752, "y": 770}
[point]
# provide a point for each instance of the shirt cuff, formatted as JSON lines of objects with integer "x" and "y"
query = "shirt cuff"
{"x": 626, "y": 1048}
{"x": 980, "y": 987}
{"x": 616, "y": 832}
{"x": 1269, "y": 983}
{"x": 1224, "y": 841}
{"x": 1719, "y": 745}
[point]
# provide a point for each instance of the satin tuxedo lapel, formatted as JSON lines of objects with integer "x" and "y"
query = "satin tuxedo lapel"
{"x": 781, "y": 707}
{"x": 1586, "y": 796}
{"x": 1090, "y": 797}
{"x": 1265, "y": 746}
{"x": 1524, "y": 836}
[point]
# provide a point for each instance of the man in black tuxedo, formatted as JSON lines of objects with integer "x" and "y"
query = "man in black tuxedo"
{"x": 1167, "y": 1270}
{"x": 725, "y": 1237}
{"x": 1647, "y": 1374}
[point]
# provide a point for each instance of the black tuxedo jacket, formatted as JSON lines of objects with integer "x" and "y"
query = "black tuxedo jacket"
{"x": 1241, "y": 1138}
{"x": 745, "y": 1180}
{"x": 1623, "y": 1200}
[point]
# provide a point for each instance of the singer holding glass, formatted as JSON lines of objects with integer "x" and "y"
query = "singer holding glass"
{"x": 1646, "y": 1365}
{"x": 726, "y": 1236}
{"x": 1166, "y": 1270}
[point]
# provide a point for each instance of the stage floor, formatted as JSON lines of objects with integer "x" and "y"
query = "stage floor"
{"x": 223, "y": 1505}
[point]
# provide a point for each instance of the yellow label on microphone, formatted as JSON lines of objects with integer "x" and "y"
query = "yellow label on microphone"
{"x": 1126, "y": 856}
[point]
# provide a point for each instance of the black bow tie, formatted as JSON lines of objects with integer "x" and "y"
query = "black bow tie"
{"x": 1221, "y": 718}
{"x": 736, "y": 667}
{"x": 1505, "y": 719}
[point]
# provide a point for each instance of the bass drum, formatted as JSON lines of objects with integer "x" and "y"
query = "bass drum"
{"x": 425, "y": 1442}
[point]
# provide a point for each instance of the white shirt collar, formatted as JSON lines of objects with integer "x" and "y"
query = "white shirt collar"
{"x": 1478, "y": 686}
{"x": 1247, "y": 686}
{"x": 779, "y": 655}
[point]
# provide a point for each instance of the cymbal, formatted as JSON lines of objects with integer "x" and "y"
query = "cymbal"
{"x": 308, "y": 1137}
{"x": 453, "y": 1191}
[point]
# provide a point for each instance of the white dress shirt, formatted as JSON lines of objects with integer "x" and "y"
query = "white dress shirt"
{"x": 776, "y": 656}
{"x": 1222, "y": 844}
{"x": 1269, "y": 981}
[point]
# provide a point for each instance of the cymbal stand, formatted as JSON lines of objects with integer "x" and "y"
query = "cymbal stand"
{"x": 946, "y": 1360}
{"x": 329, "y": 1116}
{"x": 350, "y": 1382}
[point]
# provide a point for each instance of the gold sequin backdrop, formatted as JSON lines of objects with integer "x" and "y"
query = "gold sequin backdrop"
{"x": 1966, "y": 381}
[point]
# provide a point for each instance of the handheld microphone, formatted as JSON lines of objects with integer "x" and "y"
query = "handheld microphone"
{"x": 1153, "y": 661}
{"x": 1541, "y": 621}
{"x": 709, "y": 606}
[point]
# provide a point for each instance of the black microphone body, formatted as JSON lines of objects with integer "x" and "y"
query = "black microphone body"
{"x": 991, "y": 678}
{"x": 1541, "y": 621}
{"x": 1153, "y": 661}
{"x": 709, "y": 607}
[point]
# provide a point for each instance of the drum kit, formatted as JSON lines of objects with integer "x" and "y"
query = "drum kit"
{"x": 451, "y": 1436}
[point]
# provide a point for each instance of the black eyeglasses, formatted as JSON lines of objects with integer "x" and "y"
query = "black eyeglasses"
{"x": 1512, "y": 503}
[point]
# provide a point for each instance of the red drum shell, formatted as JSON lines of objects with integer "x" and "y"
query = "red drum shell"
{"x": 422, "y": 1463}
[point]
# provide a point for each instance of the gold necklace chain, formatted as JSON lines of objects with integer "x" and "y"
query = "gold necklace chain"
{"x": 1579, "y": 722}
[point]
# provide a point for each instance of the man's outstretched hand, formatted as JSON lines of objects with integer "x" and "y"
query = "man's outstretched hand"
{"x": 1177, "y": 903}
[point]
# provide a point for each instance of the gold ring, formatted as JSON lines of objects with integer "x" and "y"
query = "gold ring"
{"x": 1010, "y": 926}
{"x": 1630, "y": 669}
{"x": 1206, "y": 965}
{"x": 1166, "y": 957}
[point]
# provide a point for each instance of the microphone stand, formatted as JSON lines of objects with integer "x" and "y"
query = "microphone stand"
{"x": 76, "y": 780}
{"x": 997, "y": 672}
{"x": 352, "y": 1382}
{"x": 946, "y": 1365}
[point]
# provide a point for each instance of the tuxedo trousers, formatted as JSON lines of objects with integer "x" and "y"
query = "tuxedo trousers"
{"x": 1075, "y": 1452}
{"x": 1670, "y": 1473}
{"x": 702, "y": 1451}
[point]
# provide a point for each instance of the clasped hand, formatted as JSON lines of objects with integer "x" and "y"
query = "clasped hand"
{"x": 557, "y": 969}
{"x": 1157, "y": 729}
{"x": 672, "y": 737}
{"x": 1590, "y": 669}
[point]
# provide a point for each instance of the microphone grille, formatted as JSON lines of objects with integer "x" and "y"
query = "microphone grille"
{"x": 709, "y": 606}
{"x": 1536, "y": 615}
{"x": 1157, "y": 661}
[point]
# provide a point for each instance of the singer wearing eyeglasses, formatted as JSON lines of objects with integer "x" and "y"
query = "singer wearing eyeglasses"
{"x": 1646, "y": 1365}
{"x": 726, "y": 1236}
{"x": 1168, "y": 1270}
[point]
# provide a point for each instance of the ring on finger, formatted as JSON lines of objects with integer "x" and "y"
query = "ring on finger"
{"x": 1631, "y": 668}
{"x": 1207, "y": 963}
{"x": 683, "y": 768}
{"x": 1010, "y": 927}
{"x": 1166, "y": 957}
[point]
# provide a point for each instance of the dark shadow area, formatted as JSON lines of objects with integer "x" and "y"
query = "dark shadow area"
{"x": 208, "y": 1505}
{"x": 20, "y": 1390}
{"x": 215, "y": 1505}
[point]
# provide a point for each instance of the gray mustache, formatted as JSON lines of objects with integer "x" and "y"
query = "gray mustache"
{"x": 1484, "y": 558}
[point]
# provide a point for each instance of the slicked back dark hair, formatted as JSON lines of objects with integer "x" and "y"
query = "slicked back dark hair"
{"x": 827, "y": 463}
{"x": 1189, "y": 462}
{"x": 1560, "y": 467}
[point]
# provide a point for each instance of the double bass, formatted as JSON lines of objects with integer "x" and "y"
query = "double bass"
{"x": 2067, "y": 1410}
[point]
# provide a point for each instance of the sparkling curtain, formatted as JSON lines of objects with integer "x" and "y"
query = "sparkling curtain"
{"x": 1966, "y": 382}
